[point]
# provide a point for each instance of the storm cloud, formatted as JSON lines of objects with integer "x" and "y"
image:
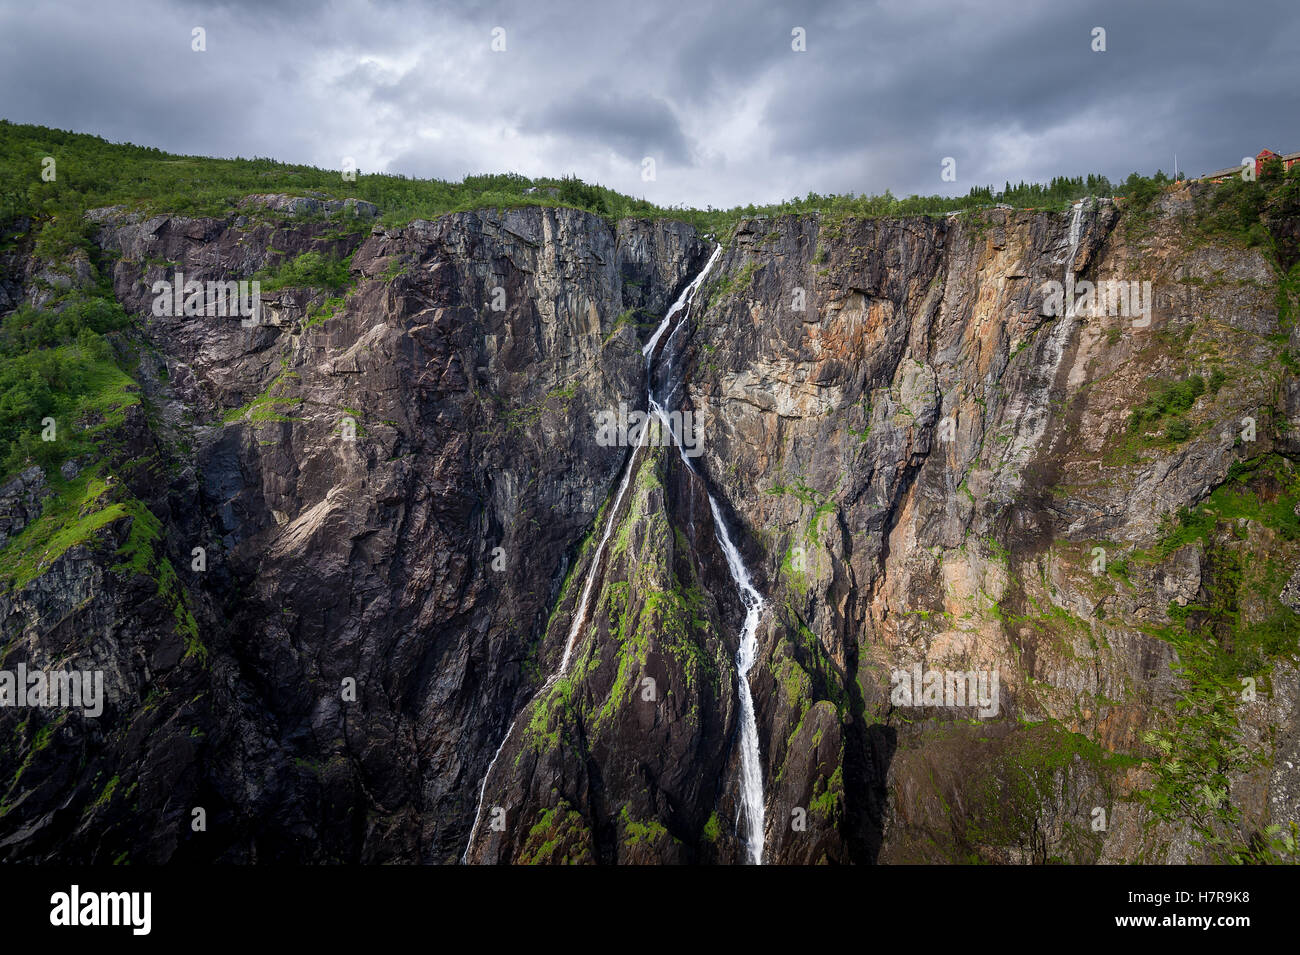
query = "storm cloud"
{"x": 714, "y": 92}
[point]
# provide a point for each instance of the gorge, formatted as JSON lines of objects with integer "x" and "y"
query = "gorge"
{"x": 569, "y": 652}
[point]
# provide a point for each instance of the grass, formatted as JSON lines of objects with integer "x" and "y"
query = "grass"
{"x": 266, "y": 406}
{"x": 93, "y": 173}
{"x": 1007, "y": 797}
{"x": 73, "y": 515}
{"x": 319, "y": 314}
{"x": 1166, "y": 398}
{"x": 141, "y": 555}
{"x": 1240, "y": 210}
{"x": 59, "y": 366}
{"x": 1239, "y": 496}
{"x": 636, "y": 832}
{"x": 1159, "y": 421}
{"x": 822, "y": 504}
{"x": 731, "y": 284}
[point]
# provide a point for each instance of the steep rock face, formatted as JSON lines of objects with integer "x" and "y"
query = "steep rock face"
{"x": 122, "y": 781}
{"x": 400, "y": 499}
{"x": 924, "y": 461}
{"x": 390, "y": 503}
{"x": 625, "y": 756}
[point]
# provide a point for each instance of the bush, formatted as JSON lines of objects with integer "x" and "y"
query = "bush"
{"x": 27, "y": 328}
{"x": 309, "y": 270}
{"x": 1169, "y": 397}
{"x": 56, "y": 363}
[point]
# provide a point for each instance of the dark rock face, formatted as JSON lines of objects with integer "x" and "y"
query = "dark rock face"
{"x": 472, "y": 434}
{"x": 401, "y": 500}
{"x": 924, "y": 461}
{"x": 20, "y": 502}
{"x": 624, "y": 757}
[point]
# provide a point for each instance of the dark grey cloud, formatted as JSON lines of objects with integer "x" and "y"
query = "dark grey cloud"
{"x": 711, "y": 89}
{"x": 1198, "y": 81}
{"x": 635, "y": 127}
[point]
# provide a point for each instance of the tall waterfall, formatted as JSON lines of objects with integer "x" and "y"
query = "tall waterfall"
{"x": 751, "y": 777}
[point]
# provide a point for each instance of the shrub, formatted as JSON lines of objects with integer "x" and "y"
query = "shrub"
{"x": 309, "y": 270}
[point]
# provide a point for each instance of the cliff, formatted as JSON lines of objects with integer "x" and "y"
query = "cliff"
{"x": 399, "y": 496}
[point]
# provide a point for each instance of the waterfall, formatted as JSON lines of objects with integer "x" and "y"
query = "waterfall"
{"x": 580, "y": 617}
{"x": 751, "y": 774}
{"x": 682, "y": 301}
{"x": 1076, "y": 229}
{"x": 1076, "y": 233}
{"x": 593, "y": 572}
{"x": 1031, "y": 409}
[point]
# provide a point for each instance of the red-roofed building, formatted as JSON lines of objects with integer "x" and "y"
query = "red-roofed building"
{"x": 1287, "y": 161}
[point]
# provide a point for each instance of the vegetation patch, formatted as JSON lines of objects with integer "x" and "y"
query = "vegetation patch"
{"x": 308, "y": 270}
{"x": 269, "y": 405}
{"x": 1198, "y": 746}
{"x": 635, "y": 833}
{"x": 821, "y": 504}
{"x": 60, "y": 383}
{"x": 73, "y": 515}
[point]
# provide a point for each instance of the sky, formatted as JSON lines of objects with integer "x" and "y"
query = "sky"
{"x": 717, "y": 94}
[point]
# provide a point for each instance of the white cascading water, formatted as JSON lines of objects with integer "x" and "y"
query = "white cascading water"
{"x": 580, "y": 617}
{"x": 1030, "y": 409}
{"x": 580, "y": 614}
{"x": 1076, "y": 233}
{"x": 1076, "y": 223}
{"x": 751, "y": 774}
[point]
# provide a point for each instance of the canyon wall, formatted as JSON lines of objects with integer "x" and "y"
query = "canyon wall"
{"x": 400, "y": 495}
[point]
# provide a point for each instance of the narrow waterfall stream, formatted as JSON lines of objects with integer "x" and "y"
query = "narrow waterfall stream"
{"x": 751, "y": 774}
{"x": 1076, "y": 214}
{"x": 1076, "y": 234}
{"x": 681, "y": 305}
{"x": 751, "y": 781}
